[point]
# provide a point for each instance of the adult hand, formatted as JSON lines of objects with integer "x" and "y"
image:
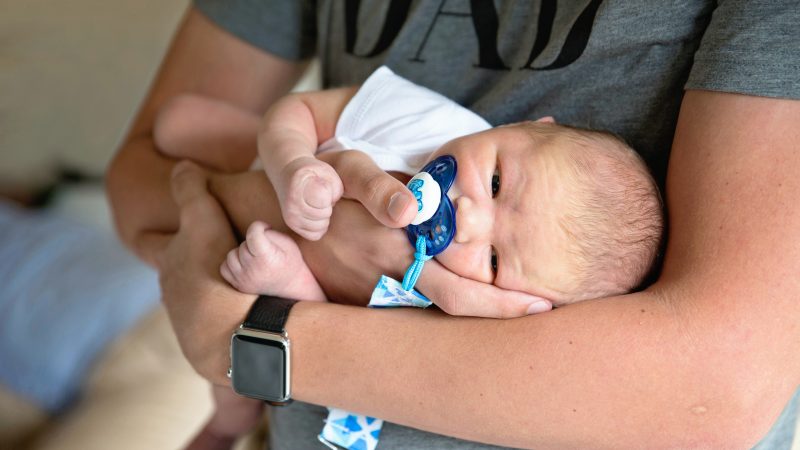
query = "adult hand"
{"x": 348, "y": 259}
{"x": 384, "y": 196}
{"x": 355, "y": 246}
{"x": 203, "y": 308}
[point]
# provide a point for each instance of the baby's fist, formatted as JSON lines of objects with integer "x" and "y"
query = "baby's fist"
{"x": 312, "y": 187}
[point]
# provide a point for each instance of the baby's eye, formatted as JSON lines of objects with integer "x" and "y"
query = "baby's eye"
{"x": 493, "y": 260}
{"x": 495, "y": 182}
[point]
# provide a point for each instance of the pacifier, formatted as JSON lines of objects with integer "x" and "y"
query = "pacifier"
{"x": 436, "y": 217}
{"x": 434, "y": 226}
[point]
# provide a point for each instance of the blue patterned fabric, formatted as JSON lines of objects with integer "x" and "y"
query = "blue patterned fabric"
{"x": 389, "y": 293}
{"x": 62, "y": 280}
{"x": 351, "y": 431}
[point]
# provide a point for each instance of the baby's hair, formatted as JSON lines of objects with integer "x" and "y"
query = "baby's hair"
{"x": 613, "y": 216}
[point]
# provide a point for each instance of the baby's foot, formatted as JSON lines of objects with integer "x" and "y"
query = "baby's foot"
{"x": 269, "y": 262}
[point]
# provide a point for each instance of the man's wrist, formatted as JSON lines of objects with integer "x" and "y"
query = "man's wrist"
{"x": 209, "y": 353}
{"x": 261, "y": 352}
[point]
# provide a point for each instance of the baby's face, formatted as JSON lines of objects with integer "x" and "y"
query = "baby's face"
{"x": 508, "y": 192}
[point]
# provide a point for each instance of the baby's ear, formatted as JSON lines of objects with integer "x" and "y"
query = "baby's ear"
{"x": 546, "y": 119}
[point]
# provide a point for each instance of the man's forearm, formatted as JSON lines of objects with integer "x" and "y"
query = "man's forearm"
{"x": 613, "y": 373}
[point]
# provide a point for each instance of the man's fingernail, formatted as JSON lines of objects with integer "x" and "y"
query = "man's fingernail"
{"x": 398, "y": 203}
{"x": 538, "y": 307}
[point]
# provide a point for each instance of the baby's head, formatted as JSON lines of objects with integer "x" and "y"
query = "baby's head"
{"x": 559, "y": 212}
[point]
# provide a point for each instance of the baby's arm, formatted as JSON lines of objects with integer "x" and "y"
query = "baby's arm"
{"x": 210, "y": 132}
{"x": 290, "y": 133}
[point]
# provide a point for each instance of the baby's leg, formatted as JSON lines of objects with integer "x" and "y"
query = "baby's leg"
{"x": 269, "y": 262}
{"x": 208, "y": 131}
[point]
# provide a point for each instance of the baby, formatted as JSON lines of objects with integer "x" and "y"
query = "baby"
{"x": 560, "y": 213}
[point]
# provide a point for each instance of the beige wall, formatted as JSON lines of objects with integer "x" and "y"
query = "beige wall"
{"x": 71, "y": 74}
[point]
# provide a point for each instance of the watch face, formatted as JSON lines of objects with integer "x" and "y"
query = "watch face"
{"x": 259, "y": 368}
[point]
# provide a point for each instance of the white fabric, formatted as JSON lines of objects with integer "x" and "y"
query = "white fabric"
{"x": 399, "y": 124}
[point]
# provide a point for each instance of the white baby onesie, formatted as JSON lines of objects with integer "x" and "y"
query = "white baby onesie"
{"x": 399, "y": 124}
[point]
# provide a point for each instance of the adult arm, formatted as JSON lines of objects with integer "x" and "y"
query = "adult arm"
{"x": 703, "y": 358}
{"x": 203, "y": 59}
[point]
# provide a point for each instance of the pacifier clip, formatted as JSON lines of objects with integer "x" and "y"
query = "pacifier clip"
{"x": 415, "y": 269}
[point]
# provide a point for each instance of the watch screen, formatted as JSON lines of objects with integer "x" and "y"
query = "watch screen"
{"x": 258, "y": 368}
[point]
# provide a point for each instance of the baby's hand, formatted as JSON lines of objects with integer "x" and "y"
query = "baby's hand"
{"x": 308, "y": 192}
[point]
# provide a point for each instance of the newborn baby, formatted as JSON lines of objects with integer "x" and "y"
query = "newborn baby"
{"x": 560, "y": 213}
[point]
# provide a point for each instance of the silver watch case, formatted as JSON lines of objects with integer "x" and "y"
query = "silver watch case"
{"x": 261, "y": 356}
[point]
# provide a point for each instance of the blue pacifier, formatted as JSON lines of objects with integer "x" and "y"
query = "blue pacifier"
{"x": 434, "y": 227}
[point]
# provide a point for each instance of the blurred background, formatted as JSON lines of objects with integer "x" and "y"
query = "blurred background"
{"x": 87, "y": 358}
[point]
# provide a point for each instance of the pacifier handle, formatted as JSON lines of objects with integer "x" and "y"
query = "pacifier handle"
{"x": 428, "y": 194}
{"x": 434, "y": 226}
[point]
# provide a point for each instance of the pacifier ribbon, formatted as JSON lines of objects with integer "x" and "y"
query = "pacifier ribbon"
{"x": 415, "y": 269}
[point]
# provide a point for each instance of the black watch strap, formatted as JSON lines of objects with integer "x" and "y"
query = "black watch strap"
{"x": 269, "y": 313}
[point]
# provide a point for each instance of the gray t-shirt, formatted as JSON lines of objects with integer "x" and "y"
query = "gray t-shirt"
{"x": 620, "y": 66}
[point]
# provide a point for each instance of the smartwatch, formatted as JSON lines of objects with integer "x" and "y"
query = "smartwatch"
{"x": 261, "y": 352}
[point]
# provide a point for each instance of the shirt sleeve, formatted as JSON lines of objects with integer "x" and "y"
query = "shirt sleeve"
{"x": 750, "y": 47}
{"x": 285, "y": 28}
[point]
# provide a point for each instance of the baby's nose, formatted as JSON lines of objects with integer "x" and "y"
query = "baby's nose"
{"x": 472, "y": 221}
